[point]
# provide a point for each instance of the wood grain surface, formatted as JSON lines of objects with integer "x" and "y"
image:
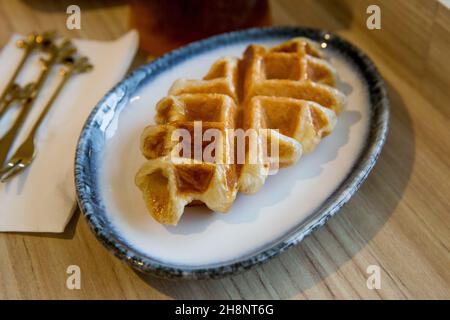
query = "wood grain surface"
{"x": 399, "y": 220}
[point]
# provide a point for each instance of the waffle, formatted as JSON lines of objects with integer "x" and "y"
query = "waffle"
{"x": 252, "y": 115}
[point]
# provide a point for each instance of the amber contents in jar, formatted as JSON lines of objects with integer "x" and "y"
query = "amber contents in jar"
{"x": 164, "y": 25}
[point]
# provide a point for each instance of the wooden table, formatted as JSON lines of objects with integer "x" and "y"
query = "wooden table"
{"x": 399, "y": 220}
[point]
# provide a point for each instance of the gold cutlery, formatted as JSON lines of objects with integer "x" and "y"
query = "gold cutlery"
{"x": 56, "y": 54}
{"x": 16, "y": 93}
{"x": 29, "y": 44}
{"x": 25, "y": 154}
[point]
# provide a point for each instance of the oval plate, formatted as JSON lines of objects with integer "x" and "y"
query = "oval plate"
{"x": 291, "y": 205}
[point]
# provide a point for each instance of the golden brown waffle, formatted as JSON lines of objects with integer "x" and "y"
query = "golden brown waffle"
{"x": 284, "y": 97}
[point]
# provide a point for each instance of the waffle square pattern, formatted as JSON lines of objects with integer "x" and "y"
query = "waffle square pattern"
{"x": 228, "y": 132}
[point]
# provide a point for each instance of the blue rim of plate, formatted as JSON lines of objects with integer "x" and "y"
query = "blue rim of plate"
{"x": 92, "y": 139}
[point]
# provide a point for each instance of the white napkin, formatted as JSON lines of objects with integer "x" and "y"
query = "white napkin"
{"x": 42, "y": 198}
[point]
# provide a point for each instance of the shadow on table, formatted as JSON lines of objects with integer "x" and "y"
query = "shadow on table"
{"x": 298, "y": 269}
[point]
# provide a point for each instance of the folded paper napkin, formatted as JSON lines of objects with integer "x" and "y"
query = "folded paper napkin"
{"x": 42, "y": 198}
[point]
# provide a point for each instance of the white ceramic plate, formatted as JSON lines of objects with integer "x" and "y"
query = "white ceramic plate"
{"x": 290, "y": 204}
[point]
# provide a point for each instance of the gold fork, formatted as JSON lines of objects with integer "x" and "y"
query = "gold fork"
{"x": 29, "y": 44}
{"x": 25, "y": 154}
{"x": 16, "y": 93}
{"x": 56, "y": 54}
